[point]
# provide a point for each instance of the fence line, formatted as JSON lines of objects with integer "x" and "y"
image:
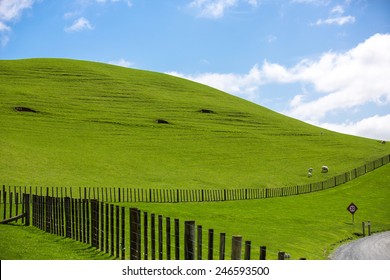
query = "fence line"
{"x": 127, "y": 233}
{"x": 113, "y": 195}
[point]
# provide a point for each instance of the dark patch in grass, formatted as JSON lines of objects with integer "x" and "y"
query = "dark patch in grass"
{"x": 161, "y": 121}
{"x": 206, "y": 111}
{"x": 25, "y": 109}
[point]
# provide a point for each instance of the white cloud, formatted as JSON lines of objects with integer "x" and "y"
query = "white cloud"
{"x": 11, "y": 10}
{"x": 79, "y": 25}
{"x": 336, "y": 17}
{"x": 4, "y": 27}
{"x": 128, "y": 2}
{"x": 375, "y": 127}
{"x": 243, "y": 85}
{"x": 121, "y": 62}
{"x": 337, "y": 10}
{"x": 336, "y": 20}
{"x": 217, "y": 8}
{"x": 345, "y": 80}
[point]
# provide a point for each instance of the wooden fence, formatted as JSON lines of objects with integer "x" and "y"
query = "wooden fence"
{"x": 129, "y": 233}
{"x": 108, "y": 194}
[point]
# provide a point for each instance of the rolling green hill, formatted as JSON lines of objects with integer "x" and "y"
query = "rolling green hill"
{"x": 76, "y": 123}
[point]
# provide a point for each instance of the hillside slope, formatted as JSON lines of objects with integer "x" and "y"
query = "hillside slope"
{"x": 77, "y": 123}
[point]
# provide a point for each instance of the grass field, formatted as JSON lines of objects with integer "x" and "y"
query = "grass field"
{"x": 28, "y": 243}
{"x": 309, "y": 225}
{"x": 92, "y": 124}
{"x": 95, "y": 126}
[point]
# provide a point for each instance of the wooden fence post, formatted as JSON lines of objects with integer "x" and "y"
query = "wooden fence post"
{"x": 210, "y": 253}
{"x": 112, "y": 215}
{"x": 107, "y": 228}
{"x": 263, "y": 252}
{"x": 123, "y": 245}
{"x": 189, "y": 240}
{"x": 177, "y": 239}
{"x": 26, "y": 199}
{"x": 153, "y": 235}
{"x": 146, "y": 243}
{"x": 247, "y": 250}
{"x": 168, "y": 237}
{"x": 67, "y": 218}
{"x": 222, "y": 240}
{"x": 117, "y": 233}
{"x": 102, "y": 226}
{"x": 364, "y": 228}
{"x": 199, "y": 242}
{"x": 160, "y": 237}
{"x": 236, "y": 247}
{"x": 134, "y": 233}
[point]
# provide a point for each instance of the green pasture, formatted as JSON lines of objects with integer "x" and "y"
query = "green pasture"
{"x": 309, "y": 225}
{"x": 95, "y": 125}
{"x": 18, "y": 242}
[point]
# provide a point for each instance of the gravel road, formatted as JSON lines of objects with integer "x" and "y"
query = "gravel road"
{"x": 374, "y": 247}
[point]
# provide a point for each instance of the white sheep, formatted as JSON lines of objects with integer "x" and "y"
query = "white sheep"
{"x": 324, "y": 169}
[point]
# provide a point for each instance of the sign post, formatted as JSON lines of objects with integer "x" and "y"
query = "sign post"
{"x": 352, "y": 208}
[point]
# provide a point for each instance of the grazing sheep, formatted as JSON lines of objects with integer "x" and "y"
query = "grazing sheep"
{"x": 324, "y": 169}
{"x": 310, "y": 170}
{"x": 309, "y": 174}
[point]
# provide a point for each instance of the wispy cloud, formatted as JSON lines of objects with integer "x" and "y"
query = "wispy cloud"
{"x": 336, "y": 17}
{"x": 128, "y": 2}
{"x": 11, "y": 10}
{"x": 79, "y": 25}
{"x": 216, "y": 8}
{"x": 341, "y": 82}
{"x": 336, "y": 20}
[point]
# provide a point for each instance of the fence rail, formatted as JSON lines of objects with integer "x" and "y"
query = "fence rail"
{"x": 108, "y": 194}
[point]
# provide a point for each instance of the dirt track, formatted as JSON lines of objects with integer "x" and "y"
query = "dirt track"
{"x": 374, "y": 247}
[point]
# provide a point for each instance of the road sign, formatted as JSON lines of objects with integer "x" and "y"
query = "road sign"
{"x": 352, "y": 208}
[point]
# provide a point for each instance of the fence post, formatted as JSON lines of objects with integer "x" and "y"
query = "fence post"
{"x": 107, "y": 227}
{"x": 123, "y": 245}
{"x": 236, "y": 247}
{"x": 210, "y": 254}
{"x": 222, "y": 238}
{"x": 153, "y": 236}
{"x": 134, "y": 234}
{"x": 168, "y": 237}
{"x": 364, "y": 228}
{"x": 177, "y": 239}
{"x": 5, "y": 203}
{"x": 112, "y": 215}
{"x": 369, "y": 228}
{"x": 146, "y": 242}
{"x": 247, "y": 250}
{"x": 189, "y": 240}
{"x": 117, "y": 219}
{"x": 263, "y": 252}
{"x": 26, "y": 200}
{"x": 199, "y": 242}
{"x": 160, "y": 237}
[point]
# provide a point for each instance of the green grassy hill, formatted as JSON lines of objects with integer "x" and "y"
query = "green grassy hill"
{"x": 92, "y": 124}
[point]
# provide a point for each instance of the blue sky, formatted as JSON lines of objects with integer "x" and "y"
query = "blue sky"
{"x": 326, "y": 62}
